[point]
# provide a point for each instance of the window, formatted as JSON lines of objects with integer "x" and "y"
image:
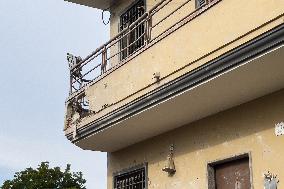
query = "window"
{"x": 200, "y": 3}
{"x": 230, "y": 173}
{"x": 134, "y": 39}
{"x": 131, "y": 179}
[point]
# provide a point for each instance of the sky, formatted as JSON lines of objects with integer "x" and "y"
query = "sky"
{"x": 35, "y": 36}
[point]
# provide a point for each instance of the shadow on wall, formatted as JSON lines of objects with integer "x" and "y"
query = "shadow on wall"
{"x": 222, "y": 128}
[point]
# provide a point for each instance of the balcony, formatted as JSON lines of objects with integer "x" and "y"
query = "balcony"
{"x": 104, "y": 59}
{"x": 129, "y": 90}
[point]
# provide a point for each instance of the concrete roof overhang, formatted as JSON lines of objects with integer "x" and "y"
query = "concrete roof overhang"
{"x": 251, "y": 71}
{"x": 100, "y": 4}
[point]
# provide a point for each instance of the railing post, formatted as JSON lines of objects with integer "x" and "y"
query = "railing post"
{"x": 149, "y": 28}
{"x": 127, "y": 41}
{"x": 71, "y": 83}
{"x": 104, "y": 59}
{"x": 146, "y": 31}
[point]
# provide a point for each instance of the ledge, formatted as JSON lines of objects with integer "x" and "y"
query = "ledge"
{"x": 100, "y": 4}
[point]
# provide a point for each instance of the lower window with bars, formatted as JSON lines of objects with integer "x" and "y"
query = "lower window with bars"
{"x": 134, "y": 178}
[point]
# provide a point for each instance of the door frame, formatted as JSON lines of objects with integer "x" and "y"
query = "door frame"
{"x": 211, "y": 173}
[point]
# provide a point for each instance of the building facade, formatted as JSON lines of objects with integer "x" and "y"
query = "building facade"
{"x": 185, "y": 94}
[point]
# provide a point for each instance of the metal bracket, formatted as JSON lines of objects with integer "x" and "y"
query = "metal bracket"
{"x": 157, "y": 76}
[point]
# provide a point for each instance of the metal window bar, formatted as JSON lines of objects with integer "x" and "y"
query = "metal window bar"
{"x": 126, "y": 47}
{"x": 126, "y": 19}
{"x": 134, "y": 35}
{"x": 131, "y": 180}
{"x": 200, "y": 3}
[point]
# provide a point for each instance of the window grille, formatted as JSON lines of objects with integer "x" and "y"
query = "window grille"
{"x": 135, "y": 179}
{"x": 200, "y": 3}
{"x": 135, "y": 39}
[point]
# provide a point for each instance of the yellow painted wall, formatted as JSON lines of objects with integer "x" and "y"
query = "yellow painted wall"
{"x": 246, "y": 128}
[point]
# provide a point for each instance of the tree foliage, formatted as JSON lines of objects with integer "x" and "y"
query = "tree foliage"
{"x": 45, "y": 177}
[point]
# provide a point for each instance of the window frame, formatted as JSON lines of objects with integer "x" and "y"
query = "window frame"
{"x": 128, "y": 8}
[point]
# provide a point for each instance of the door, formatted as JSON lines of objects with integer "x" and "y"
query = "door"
{"x": 233, "y": 174}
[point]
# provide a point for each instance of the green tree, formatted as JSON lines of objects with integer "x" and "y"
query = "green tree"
{"x": 45, "y": 177}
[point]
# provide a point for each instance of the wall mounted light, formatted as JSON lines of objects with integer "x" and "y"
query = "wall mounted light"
{"x": 170, "y": 167}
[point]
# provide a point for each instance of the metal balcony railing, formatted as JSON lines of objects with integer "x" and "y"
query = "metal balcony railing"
{"x": 85, "y": 71}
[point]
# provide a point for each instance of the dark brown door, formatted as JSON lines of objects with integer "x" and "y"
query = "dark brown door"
{"x": 233, "y": 175}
